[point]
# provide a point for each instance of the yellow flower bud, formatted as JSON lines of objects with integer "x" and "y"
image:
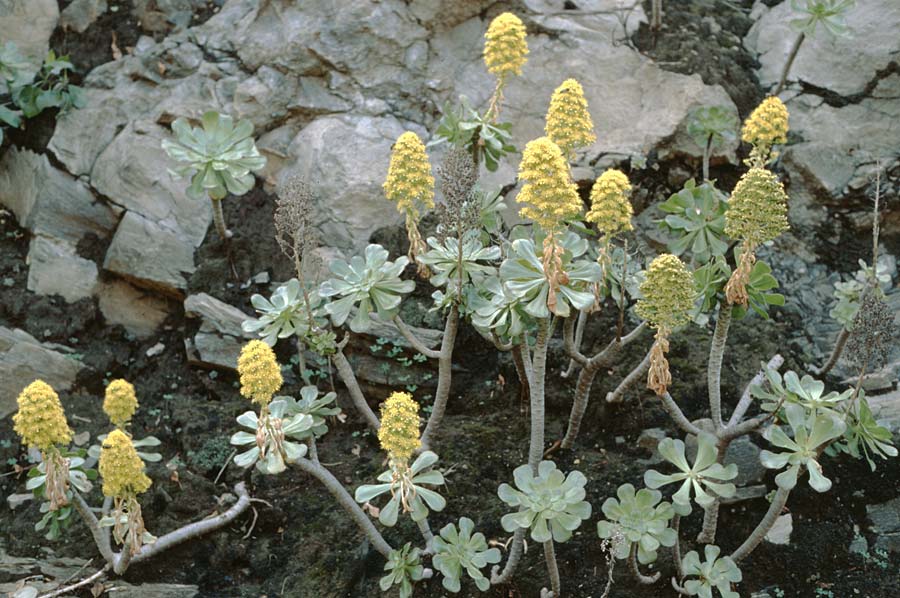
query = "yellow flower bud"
{"x": 549, "y": 190}
{"x": 610, "y": 209}
{"x": 399, "y": 431}
{"x": 409, "y": 182}
{"x": 767, "y": 125}
{"x": 40, "y": 420}
{"x": 259, "y": 371}
{"x": 505, "y": 48}
{"x": 757, "y": 210}
{"x": 120, "y": 402}
{"x": 569, "y": 123}
{"x": 121, "y": 467}
{"x": 668, "y": 294}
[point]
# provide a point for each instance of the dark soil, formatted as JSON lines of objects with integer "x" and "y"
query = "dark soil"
{"x": 299, "y": 543}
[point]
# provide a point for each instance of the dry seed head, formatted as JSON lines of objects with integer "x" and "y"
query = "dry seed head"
{"x": 549, "y": 190}
{"x": 569, "y": 123}
{"x": 294, "y": 230}
{"x": 399, "y": 431}
{"x": 40, "y": 420}
{"x": 872, "y": 336}
{"x": 121, "y": 467}
{"x": 505, "y": 48}
{"x": 259, "y": 371}
{"x": 120, "y": 402}
{"x": 767, "y": 125}
{"x": 757, "y": 210}
{"x": 409, "y": 183}
{"x": 610, "y": 209}
{"x": 668, "y": 294}
{"x": 458, "y": 214}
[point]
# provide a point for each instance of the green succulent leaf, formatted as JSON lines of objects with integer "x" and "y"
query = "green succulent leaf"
{"x": 220, "y": 156}
{"x": 696, "y": 221}
{"x": 524, "y": 275}
{"x": 640, "y": 518}
{"x": 712, "y": 573}
{"x": 369, "y": 284}
{"x": 459, "y": 549}
{"x": 830, "y": 14}
{"x": 810, "y": 431}
{"x": 864, "y": 436}
{"x": 404, "y": 567}
{"x": 550, "y": 504}
{"x": 450, "y": 263}
{"x": 289, "y": 312}
{"x": 705, "y": 479}
{"x": 710, "y": 281}
{"x": 718, "y": 124}
{"x": 407, "y": 487}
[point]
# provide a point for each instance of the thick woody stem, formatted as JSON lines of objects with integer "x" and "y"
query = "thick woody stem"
{"x": 790, "y": 62}
{"x": 746, "y": 398}
{"x": 552, "y": 569}
{"x": 445, "y": 371}
{"x": 678, "y": 416}
{"x": 635, "y": 375}
{"x": 338, "y": 491}
{"x": 714, "y": 368}
{"x": 636, "y": 570}
{"x": 835, "y": 354}
{"x": 345, "y": 373}
{"x": 768, "y": 520}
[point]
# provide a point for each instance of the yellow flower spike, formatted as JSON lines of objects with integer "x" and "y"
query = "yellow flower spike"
{"x": 40, "y": 420}
{"x": 552, "y": 196}
{"x": 121, "y": 467}
{"x": 505, "y": 48}
{"x": 766, "y": 126}
{"x": 399, "y": 431}
{"x": 757, "y": 210}
{"x": 610, "y": 209}
{"x": 259, "y": 371}
{"x": 569, "y": 123}
{"x": 120, "y": 402}
{"x": 667, "y": 294}
{"x": 409, "y": 182}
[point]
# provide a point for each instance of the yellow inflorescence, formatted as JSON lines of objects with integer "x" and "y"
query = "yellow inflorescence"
{"x": 121, "y": 467}
{"x": 259, "y": 371}
{"x": 610, "y": 209}
{"x": 40, "y": 420}
{"x": 399, "y": 431}
{"x": 409, "y": 182}
{"x": 552, "y": 196}
{"x": 569, "y": 123}
{"x": 668, "y": 293}
{"x": 757, "y": 210}
{"x": 505, "y": 48}
{"x": 120, "y": 402}
{"x": 767, "y": 125}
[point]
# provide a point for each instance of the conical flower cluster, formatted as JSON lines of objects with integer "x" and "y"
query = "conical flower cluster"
{"x": 259, "y": 372}
{"x": 767, "y": 125}
{"x": 409, "y": 182}
{"x": 399, "y": 431}
{"x": 120, "y": 402}
{"x": 505, "y": 48}
{"x": 552, "y": 196}
{"x": 121, "y": 467}
{"x": 40, "y": 420}
{"x": 757, "y": 210}
{"x": 668, "y": 293}
{"x": 569, "y": 123}
{"x": 610, "y": 209}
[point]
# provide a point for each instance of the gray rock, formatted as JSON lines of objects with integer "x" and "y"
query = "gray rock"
{"x": 29, "y": 24}
{"x": 49, "y": 202}
{"x": 650, "y": 439}
{"x": 150, "y": 255}
{"x": 56, "y": 269}
{"x": 885, "y": 518}
{"x": 23, "y": 360}
{"x": 315, "y": 98}
{"x": 138, "y": 311}
{"x": 886, "y": 409}
{"x": 351, "y": 204}
{"x": 844, "y": 65}
{"x": 120, "y": 589}
{"x": 781, "y": 530}
{"x": 219, "y": 340}
{"x": 81, "y": 14}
